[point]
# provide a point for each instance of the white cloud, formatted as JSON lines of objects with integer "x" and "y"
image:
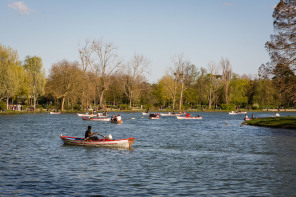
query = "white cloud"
{"x": 227, "y": 3}
{"x": 20, "y": 7}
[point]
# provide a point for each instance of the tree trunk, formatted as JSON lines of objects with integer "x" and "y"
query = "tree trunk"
{"x": 34, "y": 102}
{"x": 101, "y": 99}
{"x": 181, "y": 100}
{"x": 174, "y": 101}
{"x": 63, "y": 102}
{"x": 7, "y": 103}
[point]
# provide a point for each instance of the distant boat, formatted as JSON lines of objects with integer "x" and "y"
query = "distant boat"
{"x": 52, "y": 112}
{"x": 234, "y": 113}
{"x": 92, "y": 115}
{"x": 95, "y": 118}
{"x": 189, "y": 118}
{"x": 154, "y": 116}
{"x": 116, "y": 121}
{"x": 83, "y": 115}
{"x": 170, "y": 114}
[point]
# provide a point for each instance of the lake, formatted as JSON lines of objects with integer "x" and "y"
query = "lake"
{"x": 215, "y": 156}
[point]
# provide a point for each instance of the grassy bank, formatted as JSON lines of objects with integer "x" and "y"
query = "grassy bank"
{"x": 278, "y": 122}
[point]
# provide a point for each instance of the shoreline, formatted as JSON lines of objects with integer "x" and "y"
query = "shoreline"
{"x": 150, "y": 111}
{"x": 285, "y": 122}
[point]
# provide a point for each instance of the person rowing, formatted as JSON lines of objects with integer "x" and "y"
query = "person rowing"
{"x": 89, "y": 134}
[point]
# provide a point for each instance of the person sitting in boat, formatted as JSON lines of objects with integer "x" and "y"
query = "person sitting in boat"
{"x": 187, "y": 115}
{"x": 89, "y": 134}
{"x": 197, "y": 116}
{"x": 246, "y": 117}
{"x": 114, "y": 118}
{"x": 173, "y": 112}
{"x": 152, "y": 115}
{"x": 118, "y": 117}
{"x": 253, "y": 116}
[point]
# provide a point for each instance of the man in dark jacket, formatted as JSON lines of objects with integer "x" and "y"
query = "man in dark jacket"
{"x": 89, "y": 134}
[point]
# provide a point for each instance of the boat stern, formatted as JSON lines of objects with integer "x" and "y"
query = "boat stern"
{"x": 130, "y": 142}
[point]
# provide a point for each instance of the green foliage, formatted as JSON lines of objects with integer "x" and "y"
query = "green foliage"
{"x": 281, "y": 49}
{"x": 2, "y": 105}
{"x": 255, "y": 106}
{"x": 124, "y": 106}
{"x": 228, "y": 107}
{"x": 239, "y": 89}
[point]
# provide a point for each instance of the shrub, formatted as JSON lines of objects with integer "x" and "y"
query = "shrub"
{"x": 2, "y": 105}
{"x": 228, "y": 107}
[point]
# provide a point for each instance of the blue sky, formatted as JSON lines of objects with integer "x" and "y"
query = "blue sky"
{"x": 203, "y": 31}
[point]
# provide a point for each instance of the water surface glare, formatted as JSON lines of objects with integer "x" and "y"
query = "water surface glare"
{"x": 215, "y": 156}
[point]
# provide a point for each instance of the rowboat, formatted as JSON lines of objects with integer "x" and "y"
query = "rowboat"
{"x": 188, "y": 118}
{"x": 116, "y": 121}
{"x": 83, "y": 115}
{"x": 54, "y": 112}
{"x": 92, "y": 115}
{"x": 95, "y": 118}
{"x": 170, "y": 114}
{"x": 145, "y": 114}
{"x": 154, "y": 116}
{"x": 120, "y": 143}
{"x": 234, "y": 113}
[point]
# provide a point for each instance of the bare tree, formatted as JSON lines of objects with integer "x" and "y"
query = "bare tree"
{"x": 213, "y": 70}
{"x": 226, "y": 76}
{"x": 133, "y": 76}
{"x": 180, "y": 71}
{"x": 85, "y": 53}
{"x": 106, "y": 64}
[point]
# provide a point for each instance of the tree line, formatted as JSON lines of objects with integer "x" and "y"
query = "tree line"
{"x": 102, "y": 78}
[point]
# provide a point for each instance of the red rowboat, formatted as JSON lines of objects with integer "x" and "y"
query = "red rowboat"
{"x": 120, "y": 143}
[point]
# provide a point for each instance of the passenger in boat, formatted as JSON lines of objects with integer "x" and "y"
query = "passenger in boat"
{"x": 187, "y": 115}
{"x": 253, "y": 116}
{"x": 197, "y": 116}
{"x": 114, "y": 118}
{"x": 246, "y": 117}
{"x": 118, "y": 117}
{"x": 89, "y": 134}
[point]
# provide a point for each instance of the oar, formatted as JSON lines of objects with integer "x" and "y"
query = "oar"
{"x": 102, "y": 135}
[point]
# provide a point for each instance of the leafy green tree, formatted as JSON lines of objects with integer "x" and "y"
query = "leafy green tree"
{"x": 65, "y": 81}
{"x": 168, "y": 87}
{"x": 10, "y": 71}
{"x": 282, "y": 49}
{"x": 239, "y": 89}
{"x": 202, "y": 87}
{"x": 263, "y": 93}
{"x": 35, "y": 77}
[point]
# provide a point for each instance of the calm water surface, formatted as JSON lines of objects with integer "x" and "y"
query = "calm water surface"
{"x": 170, "y": 157}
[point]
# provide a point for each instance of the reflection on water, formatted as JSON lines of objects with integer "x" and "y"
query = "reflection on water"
{"x": 170, "y": 157}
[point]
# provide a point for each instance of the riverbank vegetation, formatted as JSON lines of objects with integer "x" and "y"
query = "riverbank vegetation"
{"x": 101, "y": 78}
{"x": 278, "y": 122}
